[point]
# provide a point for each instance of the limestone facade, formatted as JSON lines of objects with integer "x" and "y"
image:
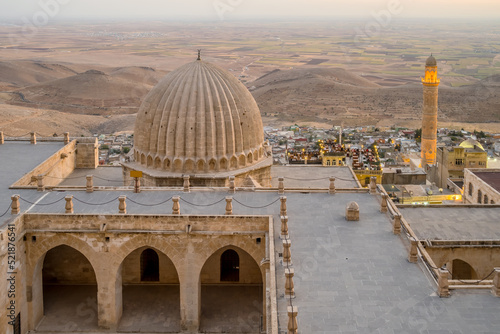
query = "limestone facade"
{"x": 481, "y": 190}
{"x": 105, "y": 251}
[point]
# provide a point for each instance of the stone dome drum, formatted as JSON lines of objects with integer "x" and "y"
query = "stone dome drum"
{"x": 198, "y": 119}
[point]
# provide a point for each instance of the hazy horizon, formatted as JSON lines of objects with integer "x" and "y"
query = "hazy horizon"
{"x": 231, "y": 10}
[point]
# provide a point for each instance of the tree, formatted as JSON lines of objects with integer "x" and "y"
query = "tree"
{"x": 418, "y": 135}
{"x": 126, "y": 150}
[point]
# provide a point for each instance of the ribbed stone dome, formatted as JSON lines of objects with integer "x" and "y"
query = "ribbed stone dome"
{"x": 198, "y": 119}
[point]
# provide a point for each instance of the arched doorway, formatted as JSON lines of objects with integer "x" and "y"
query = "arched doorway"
{"x": 150, "y": 292}
{"x": 230, "y": 266}
{"x": 231, "y": 293}
{"x": 462, "y": 270}
{"x": 69, "y": 291}
{"x": 150, "y": 266}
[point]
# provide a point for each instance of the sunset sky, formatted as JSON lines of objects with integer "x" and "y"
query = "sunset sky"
{"x": 243, "y": 9}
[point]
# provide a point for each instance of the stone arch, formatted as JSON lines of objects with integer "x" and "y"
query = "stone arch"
{"x": 223, "y": 164}
{"x": 150, "y": 161}
{"x": 212, "y": 165}
{"x": 200, "y": 165}
{"x": 462, "y": 270}
{"x": 241, "y": 297}
{"x": 242, "y": 161}
{"x": 153, "y": 294}
{"x": 66, "y": 248}
{"x": 177, "y": 165}
{"x": 234, "y": 163}
{"x": 158, "y": 163}
{"x": 250, "y": 158}
{"x": 256, "y": 155}
{"x": 261, "y": 152}
{"x": 486, "y": 199}
{"x": 479, "y": 196}
{"x": 189, "y": 165}
{"x": 471, "y": 189}
{"x": 143, "y": 159}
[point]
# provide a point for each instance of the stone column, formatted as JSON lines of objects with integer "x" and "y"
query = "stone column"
{"x": 292, "y": 319}
{"x": 287, "y": 254}
{"x": 33, "y": 138}
{"x": 413, "y": 255}
{"x": 284, "y": 227}
{"x": 190, "y": 294}
{"x": 109, "y": 298}
{"x": 283, "y": 206}
{"x": 40, "y": 186}
{"x": 122, "y": 205}
{"x": 232, "y": 187}
{"x": 229, "y": 205}
{"x": 15, "y": 206}
{"x": 2, "y": 139}
{"x": 383, "y": 204}
{"x": 281, "y": 185}
{"x": 495, "y": 290}
{"x": 289, "y": 289}
{"x": 443, "y": 285}
{"x": 373, "y": 185}
{"x": 90, "y": 184}
{"x": 332, "y": 190}
{"x": 69, "y": 204}
{"x": 66, "y": 138}
{"x": 396, "y": 225}
{"x": 176, "y": 207}
{"x": 186, "y": 183}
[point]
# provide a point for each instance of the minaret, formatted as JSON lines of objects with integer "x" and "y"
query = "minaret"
{"x": 429, "y": 113}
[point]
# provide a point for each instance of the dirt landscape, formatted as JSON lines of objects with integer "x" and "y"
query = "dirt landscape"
{"x": 91, "y": 78}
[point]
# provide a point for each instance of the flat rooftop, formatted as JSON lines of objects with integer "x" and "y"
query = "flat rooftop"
{"x": 350, "y": 277}
{"x": 453, "y": 223}
{"x": 16, "y": 159}
{"x": 491, "y": 178}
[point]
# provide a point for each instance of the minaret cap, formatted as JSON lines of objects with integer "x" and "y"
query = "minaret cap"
{"x": 431, "y": 61}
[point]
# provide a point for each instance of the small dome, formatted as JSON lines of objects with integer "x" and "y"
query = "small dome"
{"x": 199, "y": 119}
{"x": 431, "y": 61}
{"x": 471, "y": 143}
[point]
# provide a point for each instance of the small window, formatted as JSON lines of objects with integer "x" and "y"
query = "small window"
{"x": 471, "y": 189}
{"x": 485, "y": 199}
{"x": 479, "y": 196}
{"x": 459, "y": 162}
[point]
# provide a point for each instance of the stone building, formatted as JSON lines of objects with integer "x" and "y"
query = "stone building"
{"x": 481, "y": 186}
{"x": 452, "y": 161}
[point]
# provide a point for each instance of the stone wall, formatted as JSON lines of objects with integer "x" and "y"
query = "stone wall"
{"x": 112, "y": 244}
{"x": 473, "y": 185}
{"x": 54, "y": 169}
{"x": 481, "y": 259}
{"x": 87, "y": 153}
{"x": 249, "y": 270}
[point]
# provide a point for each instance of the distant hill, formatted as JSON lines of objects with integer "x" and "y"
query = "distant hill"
{"x": 25, "y": 73}
{"x": 92, "y": 92}
{"x": 333, "y": 95}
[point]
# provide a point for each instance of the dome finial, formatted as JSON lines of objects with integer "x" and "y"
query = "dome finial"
{"x": 199, "y": 54}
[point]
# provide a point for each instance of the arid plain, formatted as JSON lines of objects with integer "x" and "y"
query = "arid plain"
{"x": 90, "y": 78}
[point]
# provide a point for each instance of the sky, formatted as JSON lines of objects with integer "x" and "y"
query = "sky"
{"x": 215, "y": 10}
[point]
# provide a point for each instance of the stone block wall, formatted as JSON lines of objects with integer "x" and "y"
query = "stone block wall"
{"x": 87, "y": 150}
